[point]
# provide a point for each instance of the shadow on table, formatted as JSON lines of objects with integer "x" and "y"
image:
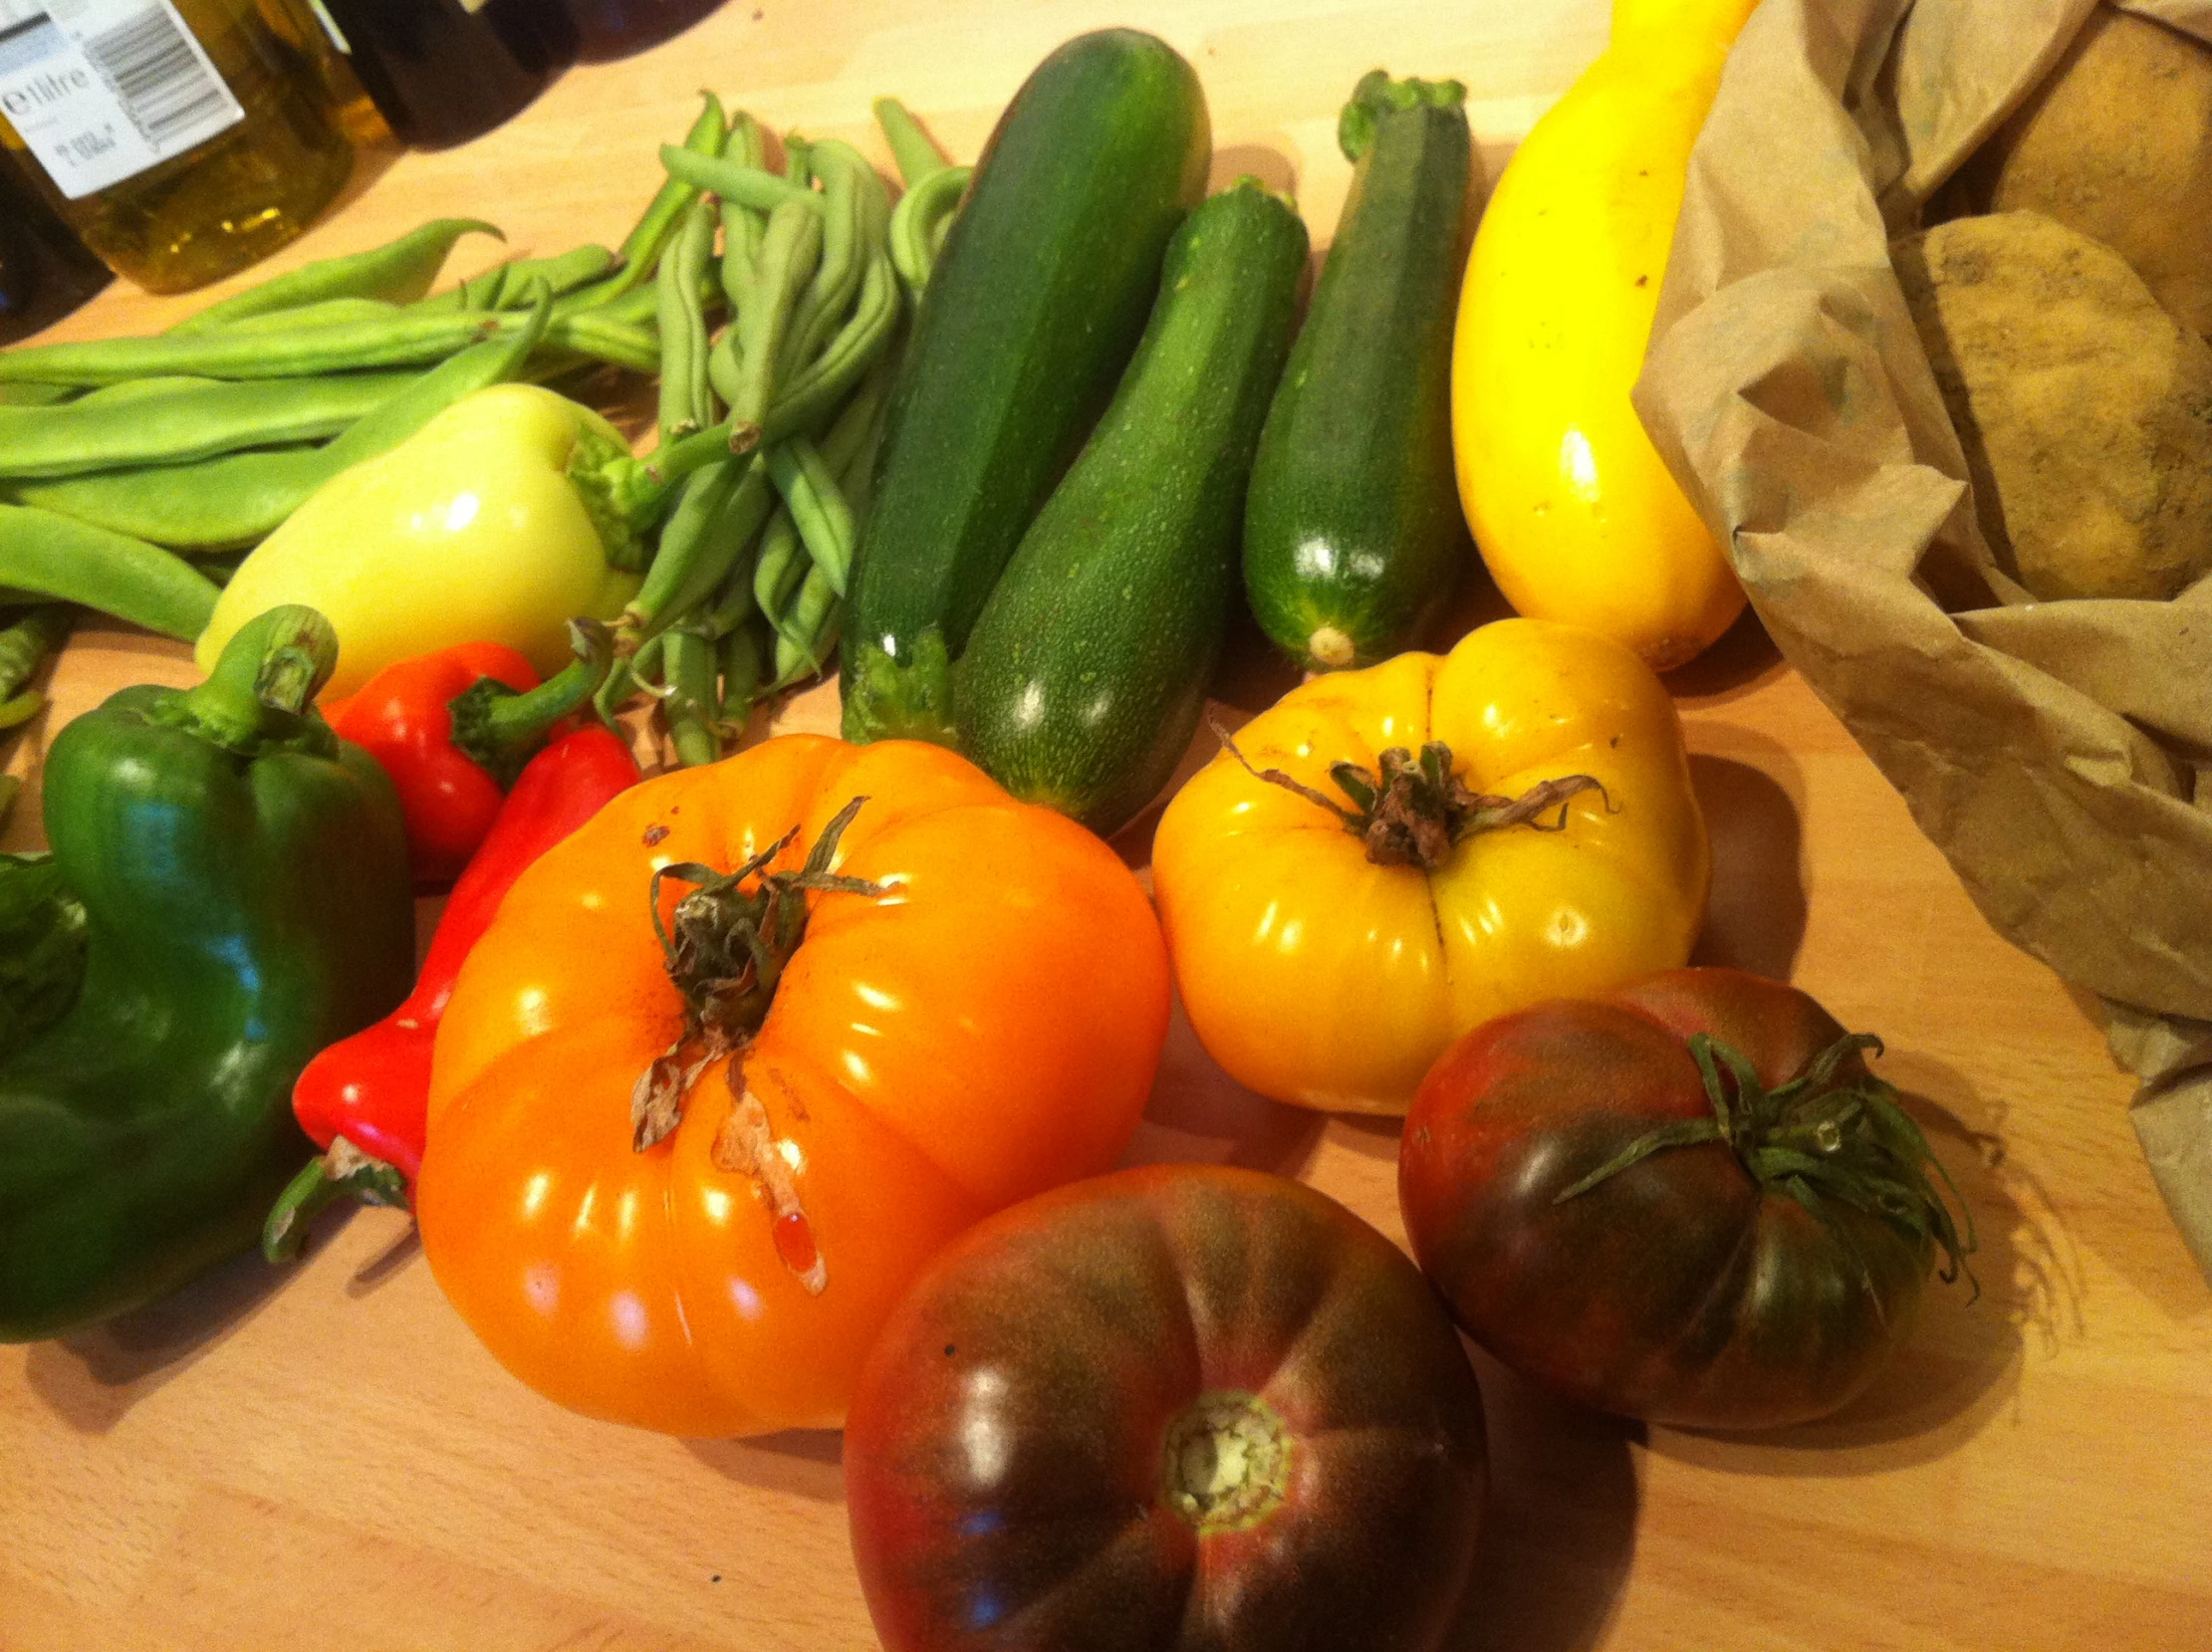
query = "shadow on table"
{"x": 1560, "y": 1526}
{"x": 1740, "y": 659}
{"x": 1755, "y": 914}
{"x": 802, "y": 1462}
{"x": 92, "y": 1379}
{"x": 1197, "y": 1113}
{"x": 1963, "y": 1360}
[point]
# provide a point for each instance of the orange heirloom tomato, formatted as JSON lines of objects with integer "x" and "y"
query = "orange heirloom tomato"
{"x": 1405, "y": 851}
{"x": 959, "y": 1001}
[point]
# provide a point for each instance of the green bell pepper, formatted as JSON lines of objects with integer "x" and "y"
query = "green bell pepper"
{"x": 244, "y": 880}
{"x": 42, "y": 947}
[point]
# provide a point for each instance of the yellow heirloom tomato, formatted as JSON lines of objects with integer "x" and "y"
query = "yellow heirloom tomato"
{"x": 1386, "y": 858}
{"x": 1572, "y": 508}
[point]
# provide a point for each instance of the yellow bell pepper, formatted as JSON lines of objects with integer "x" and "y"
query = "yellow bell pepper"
{"x": 1573, "y": 510}
{"x": 491, "y": 524}
{"x": 1539, "y": 839}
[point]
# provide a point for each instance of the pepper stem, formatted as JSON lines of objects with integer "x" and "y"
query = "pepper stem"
{"x": 268, "y": 675}
{"x": 725, "y": 949}
{"x": 500, "y": 729}
{"x": 1411, "y": 810}
{"x": 1813, "y": 1139}
{"x": 343, "y": 1172}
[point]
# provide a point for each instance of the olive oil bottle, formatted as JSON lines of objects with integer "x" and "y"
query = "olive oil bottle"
{"x": 181, "y": 140}
{"x": 446, "y": 70}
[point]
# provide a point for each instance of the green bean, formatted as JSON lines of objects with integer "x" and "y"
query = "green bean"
{"x": 24, "y": 647}
{"x": 787, "y": 263}
{"x": 687, "y": 398}
{"x": 239, "y": 498}
{"x": 690, "y": 699}
{"x": 508, "y": 286}
{"x": 782, "y": 567}
{"x": 742, "y": 226}
{"x": 323, "y": 312}
{"x": 747, "y": 185}
{"x": 807, "y": 401}
{"x": 816, "y": 506}
{"x": 296, "y": 353}
{"x": 810, "y": 397}
{"x": 30, "y": 394}
{"x": 798, "y": 161}
{"x": 743, "y": 652}
{"x": 140, "y": 389}
{"x": 206, "y": 506}
{"x": 182, "y": 424}
{"x": 636, "y": 309}
{"x": 641, "y": 249}
{"x": 725, "y": 366}
{"x": 808, "y": 620}
{"x": 714, "y": 521}
{"x": 604, "y": 340}
{"x": 401, "y": 270}
{"x": 845, "y": 223}
{"x": 810, "y": 631}
{"x": 913, "y": 148}
{"x": 920, "y": 222}
{"x": 56, "y": 555}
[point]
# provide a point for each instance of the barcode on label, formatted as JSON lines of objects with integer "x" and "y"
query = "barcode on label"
{"x": 163, "y": 84}
{"x": 103, "y": 89}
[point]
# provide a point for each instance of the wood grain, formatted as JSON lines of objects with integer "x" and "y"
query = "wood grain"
{"x": 327, "y": 1458}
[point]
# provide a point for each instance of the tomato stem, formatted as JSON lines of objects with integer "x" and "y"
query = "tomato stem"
{"x": 1411, "y": 810}
{"x": 726, "y": 947}
{"x": 1817, "y": 1141}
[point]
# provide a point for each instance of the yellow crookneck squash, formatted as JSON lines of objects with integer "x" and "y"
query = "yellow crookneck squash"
{"x": 1386, "y": 858}
{"x": 1572, "y": 507}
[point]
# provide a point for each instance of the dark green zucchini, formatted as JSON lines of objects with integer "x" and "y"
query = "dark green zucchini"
{"x": 1087, "y": 673}
{"x": 1353, "y": 534}
{"x": 1030, "y": 316}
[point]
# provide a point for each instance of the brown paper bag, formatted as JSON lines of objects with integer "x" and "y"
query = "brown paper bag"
{"x": 2052, "y": 750}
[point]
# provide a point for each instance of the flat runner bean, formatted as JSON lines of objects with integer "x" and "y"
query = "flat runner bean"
{"x": 240, "y": 497}
{"x": 401, "y": 270}
{"x": 112, "y": 573}
{"x": 195, "y": 421}
{"x": 406, "y": 340}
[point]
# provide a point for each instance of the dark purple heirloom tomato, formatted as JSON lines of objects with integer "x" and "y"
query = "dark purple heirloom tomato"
{"x": 1177, "y": 1407}
{"x": 1688, "y": 1201}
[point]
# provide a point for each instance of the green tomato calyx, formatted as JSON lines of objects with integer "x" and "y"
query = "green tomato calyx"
{"x": 725, "y": 946}
{"x": 1829, "y": 1136}
{"x": 1411, "y": 810}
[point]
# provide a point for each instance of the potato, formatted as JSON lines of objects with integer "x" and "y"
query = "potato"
{"x": 2084, "y": 410}
{"x": 2117, "y": 142}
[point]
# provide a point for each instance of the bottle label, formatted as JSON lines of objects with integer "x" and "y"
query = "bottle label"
{"x": 101, "y": 89}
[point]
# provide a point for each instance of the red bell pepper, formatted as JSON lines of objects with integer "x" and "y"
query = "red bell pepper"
{"x": 453, "y": 729}
{"x": 365, "y": 1098}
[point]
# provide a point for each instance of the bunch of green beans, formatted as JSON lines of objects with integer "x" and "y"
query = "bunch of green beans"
{"x": 121, "y": 458}
{"x": 771, "y": 422}
{"x": 767, "y": 299}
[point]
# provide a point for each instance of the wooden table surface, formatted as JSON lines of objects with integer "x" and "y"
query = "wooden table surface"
{"x": 325, "y": 1458}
